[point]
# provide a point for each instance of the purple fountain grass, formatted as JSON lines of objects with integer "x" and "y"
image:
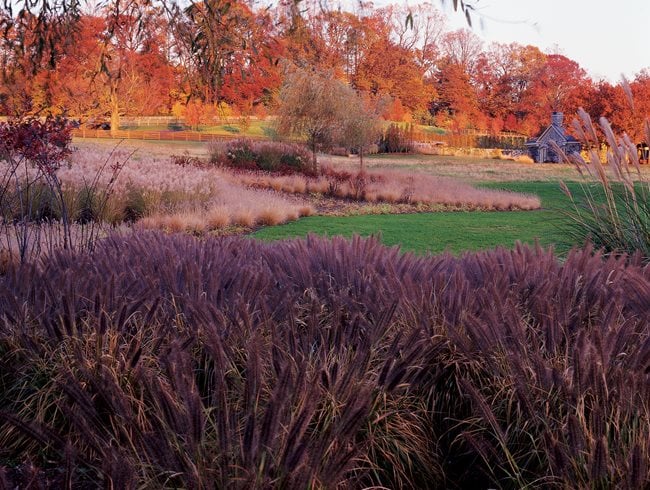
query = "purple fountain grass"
{"x": 163, "y": 360}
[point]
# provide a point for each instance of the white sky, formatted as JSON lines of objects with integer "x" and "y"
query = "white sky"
{"x": 608, "y": 38}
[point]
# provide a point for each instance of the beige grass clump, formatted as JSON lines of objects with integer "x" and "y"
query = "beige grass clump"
{"x": 152, "y": 222}
{"x": 182, "y": 198}
{"x": 524, "y": 159}
{"x": 270, "y": 217}
{"x": 306, "y": 211}
{"x": 317, "y": 186}
{"x": 275, "y": 184}
{"x": 195, "y": 223}
{"x": 370, "y": 196}
{"x": 391, "y": 191}
{"x": 429, "y": 189}
{"x": 393, "y": 187}
{"x": 243, "y": 217}
{"x": 298, "y": 185}
{"x": 187, "y": 221}
{"x": 218, "y": 217}
{"x": 173, "y": 223}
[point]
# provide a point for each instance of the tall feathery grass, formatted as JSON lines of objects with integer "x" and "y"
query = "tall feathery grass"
{"x": 167, "y": 362}
{"x": 613, "y": 214}
{"x": 392, "y": 186}
{"x": 284, "y": 168}
{"x": 161, "y": 194}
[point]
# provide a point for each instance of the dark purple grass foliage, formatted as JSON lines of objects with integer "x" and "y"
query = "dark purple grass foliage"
{"x": 166, "y": 361}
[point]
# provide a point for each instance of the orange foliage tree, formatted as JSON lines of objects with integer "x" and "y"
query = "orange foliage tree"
{"x": 134, "y": 57}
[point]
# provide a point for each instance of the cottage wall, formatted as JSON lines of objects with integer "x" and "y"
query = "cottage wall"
{"x": 541, "y": 149}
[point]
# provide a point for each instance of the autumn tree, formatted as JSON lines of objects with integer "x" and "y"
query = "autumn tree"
{"x": 337, "y": 40}
{"x": 463, "y": 48}
{"x": 312, "y": 104}
{"x": 253, "y": 75}
{"x": 132, "y": 28}
{"x": 401, "y": 78}
{"x": 360, "y": 126}
{"x": 35, "y": 34}
{"x": 300, "y": 38}
{"x": 639, "y": 89}
{"x": 423, "y": 33}
{"x": 140, "y": 57}
{"x": 207, "y": 34}
{"x": 506, "y": 83}
{"x": 457, "y": 103}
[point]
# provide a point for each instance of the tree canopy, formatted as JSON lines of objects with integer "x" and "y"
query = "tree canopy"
{"x": 211, "y": 57}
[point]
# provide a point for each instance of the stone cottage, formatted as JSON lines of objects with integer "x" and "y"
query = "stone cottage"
{"x": 540, "y": 148}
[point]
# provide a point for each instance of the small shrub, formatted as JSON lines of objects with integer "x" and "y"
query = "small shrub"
{"x": 135, "y": 205}
{"x": 87, "y": 205}
{"x": 397, "y": 139}
{"x": 231, "y": 129}
{"x": 267, "y": 156}
{"x": 187, "y": 161}
{"x": 31, "y": 153}
{"x": 240, "y": 154}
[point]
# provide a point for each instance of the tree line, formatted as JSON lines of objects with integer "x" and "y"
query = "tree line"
{"x": 153, "y": 57}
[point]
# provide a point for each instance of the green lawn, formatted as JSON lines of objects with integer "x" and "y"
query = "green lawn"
{"x": 255, "y": 128}
{"x": 452, "y": 231}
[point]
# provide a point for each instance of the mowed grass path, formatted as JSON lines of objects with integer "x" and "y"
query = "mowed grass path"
{"x": 449, "y": 231}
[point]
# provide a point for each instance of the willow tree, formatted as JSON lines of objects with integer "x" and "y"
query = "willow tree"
{"x": 312, "y": 105}
{"x": 361, "y": 125}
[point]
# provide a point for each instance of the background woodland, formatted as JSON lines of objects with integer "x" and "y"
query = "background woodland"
{"x": 222, "y": 58}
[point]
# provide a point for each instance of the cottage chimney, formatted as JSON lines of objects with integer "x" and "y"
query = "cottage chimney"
{"x": 556, "y": 119}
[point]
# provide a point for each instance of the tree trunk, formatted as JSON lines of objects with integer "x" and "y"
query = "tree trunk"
{"x": 314, "y": 162}
{"x": 115, "y": 108}
{"x": 361, "y": 159}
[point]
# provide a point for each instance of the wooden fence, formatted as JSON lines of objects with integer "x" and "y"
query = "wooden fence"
{"x": 456, "y": 140}
{"x": 471, "y": 139}
{"x": 157, "y": 135}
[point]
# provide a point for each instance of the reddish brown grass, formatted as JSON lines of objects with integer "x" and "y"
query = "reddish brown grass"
{"x": 393, "y": 187}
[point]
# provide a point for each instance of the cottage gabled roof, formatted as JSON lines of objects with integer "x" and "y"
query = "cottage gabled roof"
{"x": 543, "y": 148}
{"x": 550, "y": 131}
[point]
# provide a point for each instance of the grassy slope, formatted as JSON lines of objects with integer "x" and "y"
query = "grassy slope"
{"x": 453, "y": 231}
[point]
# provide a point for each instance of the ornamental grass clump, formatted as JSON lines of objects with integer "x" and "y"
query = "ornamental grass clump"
{"x": 164, "y": 361}
{"x": 614, "y": 213}
{"x": 391, "y": 187}
{"x": 37, "y": 208}
{"x": 31, "y": 153}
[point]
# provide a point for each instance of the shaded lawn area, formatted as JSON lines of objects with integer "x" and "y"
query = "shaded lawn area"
{"x": 450, "y": 231}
